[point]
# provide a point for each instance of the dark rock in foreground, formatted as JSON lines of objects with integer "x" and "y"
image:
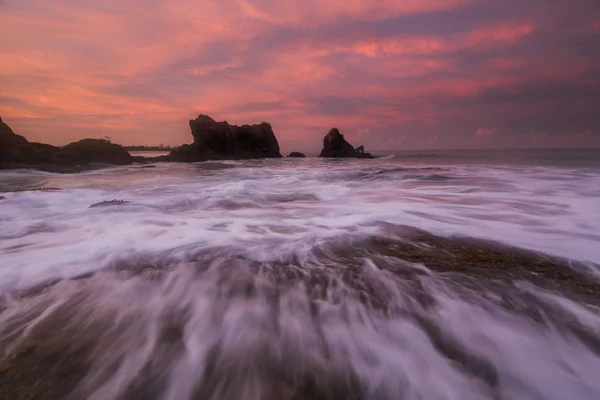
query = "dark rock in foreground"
{"x": 297, "y": 154}
{"x": 334, "y": 145}
{"x": 17, "y": 152}
{"x": 220, "y": 141}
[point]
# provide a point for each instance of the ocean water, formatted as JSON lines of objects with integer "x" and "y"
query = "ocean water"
{"x": 260, "y": 269}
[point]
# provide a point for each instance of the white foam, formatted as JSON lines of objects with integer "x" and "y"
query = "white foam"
{"x": 272, "y": 209}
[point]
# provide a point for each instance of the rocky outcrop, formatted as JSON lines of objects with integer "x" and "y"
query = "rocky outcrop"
{"x": 334, "y": 145}
{"x": 95, "y": 151}
{"x": 219, "y": 141}
{"x": 296, "y": 154}
{"x": 17, "y": 152}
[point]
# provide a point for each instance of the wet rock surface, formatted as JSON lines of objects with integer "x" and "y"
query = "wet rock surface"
{"x": 110, "y": 203}
{"x": 90, "y": 343}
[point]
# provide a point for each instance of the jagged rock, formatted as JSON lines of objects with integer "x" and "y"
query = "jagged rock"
{"x": 334, "y": 145}
{"x": 297, "y": 154}
{"x": 219, "y": 141}
{"x": 17, "y": 152}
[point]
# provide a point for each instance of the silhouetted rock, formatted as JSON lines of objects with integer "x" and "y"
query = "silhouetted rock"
{"x": 220, "y": 141}
{"x": 296, "y": 154}
{"x": 95, "y": 150}
{"x": 334, "y": 145}
{"x": 17, "y": 152}
{"x": 15, "y": 149}
{"x": 8, "y": 138}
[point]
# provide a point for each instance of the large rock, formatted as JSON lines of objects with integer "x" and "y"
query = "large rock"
{"x": 334, "y": 145}
{"x": 17, "y": 152}
{"x": 219, "y": 141}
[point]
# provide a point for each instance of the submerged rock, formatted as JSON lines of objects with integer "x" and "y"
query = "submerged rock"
{"x": 297, "y": 154}
{"x": 220, "y": 141}
{"x": 110, "y": 203}
{"x": 334, "y": 145}
{"x": 17, "y": 152}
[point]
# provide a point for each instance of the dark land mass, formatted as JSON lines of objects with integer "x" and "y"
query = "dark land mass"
{"x": 212, "y": 141}
{"x": 296, "y": 154}
{"x": 18, "y": 152}
{"x": 335, "y": 146}
{"x": 58, "y": 353}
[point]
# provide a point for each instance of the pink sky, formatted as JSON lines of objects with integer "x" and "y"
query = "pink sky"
{"x": 389, "y": 74}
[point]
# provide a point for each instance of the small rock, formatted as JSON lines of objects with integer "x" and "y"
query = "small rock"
{"x": 110, "y": 203}
{"x": 297, "y": 154}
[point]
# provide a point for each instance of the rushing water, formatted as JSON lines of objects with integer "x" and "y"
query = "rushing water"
{"x": 257, "y": 279}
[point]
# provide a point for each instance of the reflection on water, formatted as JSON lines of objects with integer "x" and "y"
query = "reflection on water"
{"x": 149, "y": 154}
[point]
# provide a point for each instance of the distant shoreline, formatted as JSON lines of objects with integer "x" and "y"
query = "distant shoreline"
{"x": 150, "y": 148}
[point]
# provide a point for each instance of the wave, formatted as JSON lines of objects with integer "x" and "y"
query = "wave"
{"x": 344, "y": 324}
{"x": 312, "y": 280}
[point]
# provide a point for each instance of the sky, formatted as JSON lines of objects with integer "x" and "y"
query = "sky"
{"x": 390, "y": 74}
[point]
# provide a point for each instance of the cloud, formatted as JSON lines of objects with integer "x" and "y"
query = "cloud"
{"x": 420, "y": 73}
{"x": 485, "y": 132}
{"x": 435, "y": 139}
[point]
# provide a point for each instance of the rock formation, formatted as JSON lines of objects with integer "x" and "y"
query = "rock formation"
{"x": 297, "y": 154}
{"x": 95, "y": 151}
{"x": 334, "y": 145}
{"x": 17, "y": 152}
{"x": 219, "y": 141}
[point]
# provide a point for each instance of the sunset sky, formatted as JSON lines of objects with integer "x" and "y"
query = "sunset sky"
{"x": 390, "y": 74}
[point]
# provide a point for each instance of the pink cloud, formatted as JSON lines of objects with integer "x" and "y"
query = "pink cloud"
{"x": 134, "y": 68}
{"x": 435, "y": 139}
{"x": 485, "y": 132}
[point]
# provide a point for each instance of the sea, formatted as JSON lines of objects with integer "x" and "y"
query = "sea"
{"x": 245, "y": 279}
